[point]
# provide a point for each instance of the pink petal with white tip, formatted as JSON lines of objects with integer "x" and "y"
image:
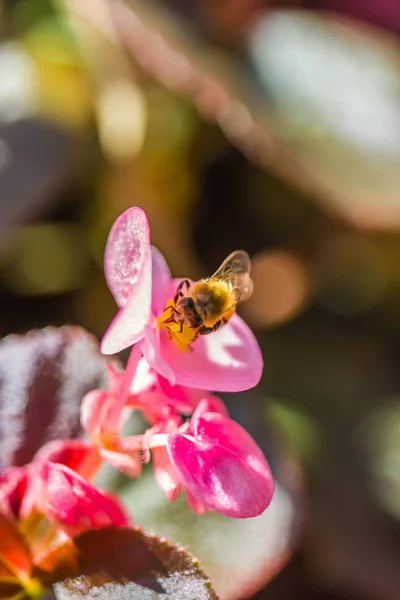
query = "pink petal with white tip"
{"x": 128, "y": 273}
{"x": 127, "y": 252}
{"x": 127, "y": 327}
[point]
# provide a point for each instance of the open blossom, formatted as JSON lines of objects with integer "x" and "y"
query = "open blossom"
{"x": 216, "y": 462}
{"x": 103, "y": 412}
{"x": 141, "y": 283}
{"x": 212, "y": 458}
{"x": 156, "y": 398}
{"x": 104, "y": 432}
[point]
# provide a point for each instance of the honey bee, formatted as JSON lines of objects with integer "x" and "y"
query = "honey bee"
{"x": 208, "y": 304}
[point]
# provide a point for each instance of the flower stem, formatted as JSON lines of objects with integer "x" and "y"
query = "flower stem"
{"x": 158, "y": 440}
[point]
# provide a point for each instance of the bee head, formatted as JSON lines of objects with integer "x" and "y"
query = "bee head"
{"x": 187, "y": 309}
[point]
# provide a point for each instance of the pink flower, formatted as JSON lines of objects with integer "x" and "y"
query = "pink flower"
{"x": 55, "y": 491}
{"x": 72, "y": 502}
{"x": 216, "y": 462}
{"x": 156, "y": 398}
{"x": 97, "y": 417}
{"x": 141, "y": 283}
{"x": 102, "y": 415}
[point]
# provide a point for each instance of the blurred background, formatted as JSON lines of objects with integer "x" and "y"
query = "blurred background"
{"x": 267, "y": 125}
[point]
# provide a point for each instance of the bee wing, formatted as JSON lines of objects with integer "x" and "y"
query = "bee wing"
{"x": 236, "y": 271}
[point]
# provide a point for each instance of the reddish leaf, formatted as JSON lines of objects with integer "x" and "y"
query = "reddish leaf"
{"x": 14, "y": 558}
{"x": 43, "y": 377}
{"x": 114, "y": 559}
{"x": 13, "y": 549}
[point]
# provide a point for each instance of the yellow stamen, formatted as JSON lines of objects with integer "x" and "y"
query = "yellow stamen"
{"x": 183, "y": 338}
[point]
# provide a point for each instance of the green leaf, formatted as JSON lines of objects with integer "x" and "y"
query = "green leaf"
{"x": 343, "y": 121}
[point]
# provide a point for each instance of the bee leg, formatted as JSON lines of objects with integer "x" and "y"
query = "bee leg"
{"x": 179, "y": 293}
{"x": 205, "y": 330}
{"x": 170, "y": 320}
{"x": 215, "y": 327}
{"x": 218, "y": 324}
{"x": 170, "y": 307}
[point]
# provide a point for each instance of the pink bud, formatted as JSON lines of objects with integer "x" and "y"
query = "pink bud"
{"x": 81, "y": 457}
{"x": 94, "y": 410}
{"x": 74, "y": 503}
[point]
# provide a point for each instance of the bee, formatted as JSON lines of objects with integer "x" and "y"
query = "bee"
{"x": 206, "y": 305}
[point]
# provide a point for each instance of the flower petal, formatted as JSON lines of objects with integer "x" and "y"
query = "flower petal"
{"x": 115, "y": 376}
{"x": 151, "y": 351}
{"x": 165, "y": 473}
{"x": 161, "y": 277}
{"x": 75, "y": 454}
{"x": 13, "y": 484}
{"x": 130, "y": 284}
{"x": 130, "y": 464}
{"x": 75, "y": 504}
{"x": 182, "y": 399}
{"x": 127, "y": 252}
{"x": 196, "y": 506}
{"x": 211, "y": 427}
{"x": 218, "y": 478}
{"x": 144, "y": 381}
{"x": 94, "y": 409}
{"x": 223, "y": 475}
{"x": 208, "y": 404}
{"x": 127, "y": 326}
{"x": 228, "y": 360}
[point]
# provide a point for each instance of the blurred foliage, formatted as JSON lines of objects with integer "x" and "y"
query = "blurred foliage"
{"x": 257, "y": 547}
{"x": 267, "y": 125}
